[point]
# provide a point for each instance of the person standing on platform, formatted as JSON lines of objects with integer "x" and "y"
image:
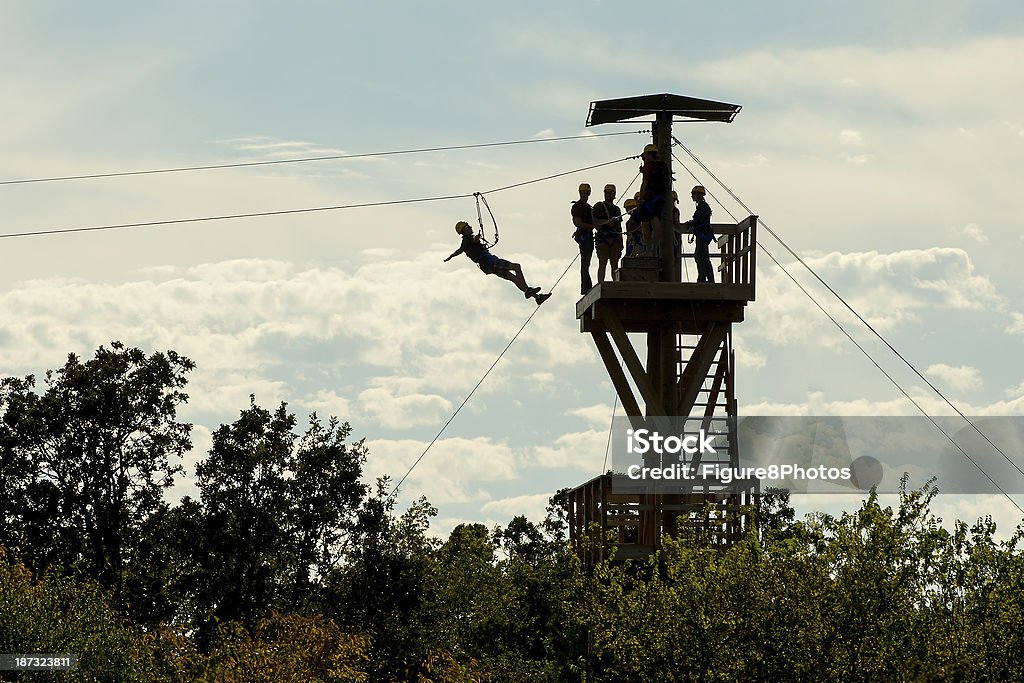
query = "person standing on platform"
{"x": 677, "y": 231}
{"x": 702, "y": 235}
{"x": 608, "y": 222}
{"x": 655, "y": 185}
{"x": 634, "y": 236}
{"x": 583, "y": 219}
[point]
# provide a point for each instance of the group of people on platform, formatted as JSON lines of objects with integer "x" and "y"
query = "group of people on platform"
{"x": 600, "y": 228}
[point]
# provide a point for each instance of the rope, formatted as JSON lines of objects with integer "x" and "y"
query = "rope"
{"x": 333, "y": 157}
{"x": 511, "y": 341}
{"x": 559, "y": 175}
{"x": 611, "y": 424}
{"x": 204, "y": 219}
{"x": 480, "y": 198}
{"x": 848, "y": 336}
{"x": 35, "y": 233}
{"x": 894, "y": 382}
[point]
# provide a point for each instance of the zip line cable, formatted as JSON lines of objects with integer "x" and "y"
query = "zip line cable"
{"x": 283, "y": 212}
{"x": 500, "y": 355}
{"x": 178, "y": 221}
{"x": 854, "y": 312}
{"x": 511, "y": 341}
{"x": 333, "y": 157}
{"x": 895, "y": 383}
{"x": 863, "y": 350}
{"x": 611, "y": 423}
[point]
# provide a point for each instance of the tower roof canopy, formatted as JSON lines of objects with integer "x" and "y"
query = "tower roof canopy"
{"x": 624, "y": 108}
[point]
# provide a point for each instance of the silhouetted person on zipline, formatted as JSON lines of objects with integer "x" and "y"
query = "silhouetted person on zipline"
{"x": 473, "y": 247}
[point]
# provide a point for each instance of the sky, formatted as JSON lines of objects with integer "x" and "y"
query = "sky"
{"x": 882, "y": 141}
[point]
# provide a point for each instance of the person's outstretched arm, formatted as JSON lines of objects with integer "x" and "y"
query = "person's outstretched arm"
{"x": 454, "y": 254}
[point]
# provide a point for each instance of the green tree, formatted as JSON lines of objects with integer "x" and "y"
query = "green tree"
{"x": 536, "y": 639}
{"x": 86, "y": 461}
{"x": 324, "y": 493}
{"x": 60, "y": 614}
{"x": 875, "y": 594}
{"x": 274, "y": 514}
{"x": 382, "y": 588}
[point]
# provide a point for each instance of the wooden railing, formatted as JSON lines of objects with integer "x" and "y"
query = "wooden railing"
{"x": 737, "y": 251}
{"x": 600, "y": 518}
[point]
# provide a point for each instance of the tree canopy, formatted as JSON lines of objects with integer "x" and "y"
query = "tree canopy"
{"x": 288, "y": 566}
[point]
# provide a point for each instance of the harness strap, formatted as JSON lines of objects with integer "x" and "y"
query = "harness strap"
{"x": 480, "y": 219}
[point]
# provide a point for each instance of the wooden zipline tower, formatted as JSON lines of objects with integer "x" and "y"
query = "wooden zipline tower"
{"x": 690, "y": 365}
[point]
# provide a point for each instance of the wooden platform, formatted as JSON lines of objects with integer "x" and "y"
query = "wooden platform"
{"x": 600, "y": 518}
{"x": 642, "y": 306}
{"x": 688, "y": 371}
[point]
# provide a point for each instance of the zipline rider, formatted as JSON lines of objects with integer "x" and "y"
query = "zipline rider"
{"x": 476, "y": 249}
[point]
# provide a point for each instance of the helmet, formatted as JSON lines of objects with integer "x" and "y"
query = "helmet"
{"x": 584, "y": 187}
{"x": 698, "y": 189}
{"x": 651, "y": 148}
{"x": 461, "y": 226}
{"x": 609, "y": 188}
{"x": 630, "y": 204}
{"x": 675, "y": 196}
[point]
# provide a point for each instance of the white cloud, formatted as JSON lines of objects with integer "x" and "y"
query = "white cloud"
{"x": 926, "y": 79}
{"x": 243, "y": 318}
{"x": 185, "y": 484}
{"x": 973, "y": 231}
{"x": 275, "y": 148}
{"x": 391, "y": 406}
{"x": 597, "y": 416}
{"x": 924, "y": 399}
{"x": 581, "y": 450}
{"x": 326, "y": 403}
{"x": 754, "y": 161}
{"x": 887, "y": 289}
{"x": 1016, "y": 128}
{"x": 454, "y": 470}
{"x": 851, "y": 138}
{"x": 963, "y": 378}
{"x": 1014, "y": 392}
{"x": 974, "y": 507}
{"x": 533, "y": 506}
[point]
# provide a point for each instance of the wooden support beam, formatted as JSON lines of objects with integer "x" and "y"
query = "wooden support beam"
{"x": 716, "y": 388}
{"x": 752, "y": 261}
{"x": 690, "y": 317}
{"x": 709, "y": 409}
{"x": 727, "y": 260}
{"x": 633, "y": 364}
{"x": 697, "y": 367}
{"x": 618, "y": 377}
{"x": 653, "y": 338}
{"x": 659, "y": 292}
{"x": 669, "y": 357}
{"x": 662, "y": 134}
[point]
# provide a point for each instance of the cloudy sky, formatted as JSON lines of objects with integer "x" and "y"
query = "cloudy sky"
{"x": 883, "y": 141}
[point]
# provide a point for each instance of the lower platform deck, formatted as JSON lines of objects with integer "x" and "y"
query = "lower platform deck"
{"x": 605, "y": 523}
{"x": 642, "y": 306}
